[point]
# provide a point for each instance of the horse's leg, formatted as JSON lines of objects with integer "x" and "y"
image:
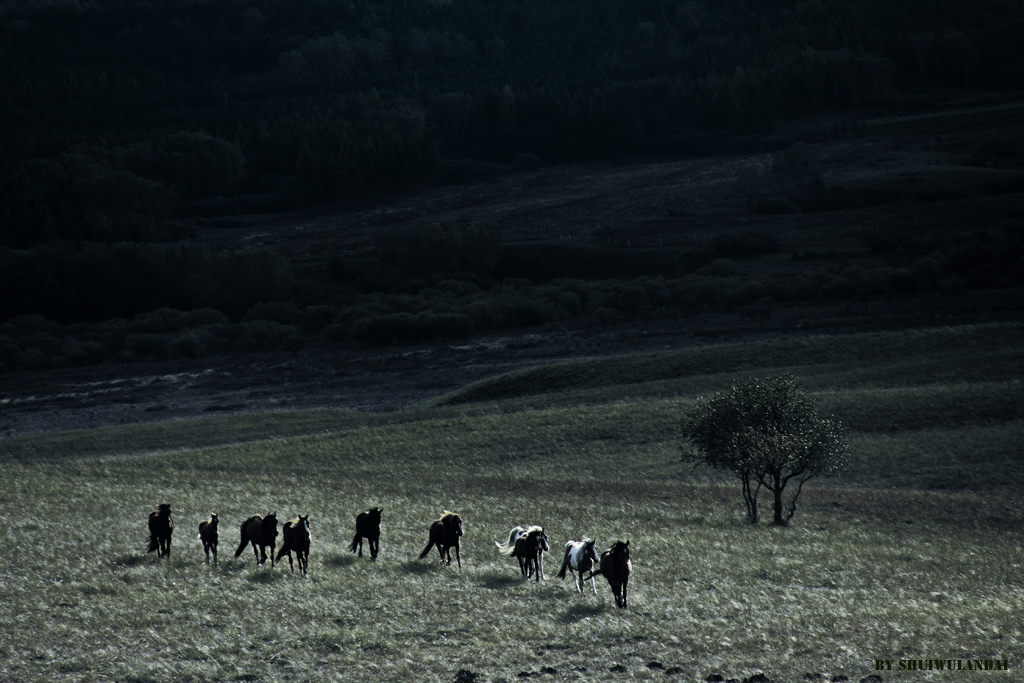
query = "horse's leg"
{"x": 214, "y": 547}
{"x": 593, "y": 584}
{"x": 374, "y": 544}
{"x": 256, "y": 553}
{"x": 457, "y": 557}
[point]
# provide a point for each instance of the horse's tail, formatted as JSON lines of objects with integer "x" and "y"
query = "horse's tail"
{"x": 355, "y": 542}
{"x": 565, "y": 562}
{"x": 153, "y": 543}
{"x": 426, "y": 550}
{"x": 245, "y": 538}
{"x": 509, "y": 550}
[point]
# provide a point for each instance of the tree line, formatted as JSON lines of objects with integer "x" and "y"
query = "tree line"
{"x": 120, "y": 113}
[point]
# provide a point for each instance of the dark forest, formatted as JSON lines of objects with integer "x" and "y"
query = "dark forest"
{"x": 124, "y": 118}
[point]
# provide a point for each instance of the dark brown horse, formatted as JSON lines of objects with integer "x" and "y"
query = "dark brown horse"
{"x": 208, "y": 535}
{"x": 528, "y": 546}
{"x": 261, "y": 531}
{"x": 161, "y": 526}
{"x": 295, "y": 535}
{"x": 616, "y": 567}
{"x": 445, "y": 533}
{"x": 368, "y": 527}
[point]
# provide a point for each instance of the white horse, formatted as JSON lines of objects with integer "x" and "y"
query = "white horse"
{"x": 529, "y": 546}
{"x": 580, "y": 557}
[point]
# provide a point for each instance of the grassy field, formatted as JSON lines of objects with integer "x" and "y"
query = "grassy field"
{"x": 915, "y": 552}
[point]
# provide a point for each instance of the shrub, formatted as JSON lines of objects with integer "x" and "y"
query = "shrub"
{"x": 201, "y": 317}
{"x": 720, "y": 268}
{"x": 744, "y": 244}
{"x": 160, "y": 320}
{"x": 10, "y": 354}
{"x": 188, "y": 345}
{"x": 275, "y": 311}
{"x": 267, "y": 335}
{"x": 148, "y": 345}
{"x": 316, "y": 318}
{"x": 693, "y": 258}
{"x": 407, "y": 327}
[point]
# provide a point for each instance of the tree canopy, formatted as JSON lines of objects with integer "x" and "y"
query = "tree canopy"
{"x": 769, "y": 433}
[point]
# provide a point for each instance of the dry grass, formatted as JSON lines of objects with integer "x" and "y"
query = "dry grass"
{"x": 915, "y": 552}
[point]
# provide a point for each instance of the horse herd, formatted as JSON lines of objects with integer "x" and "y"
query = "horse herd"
{"x": 581, "y": 559}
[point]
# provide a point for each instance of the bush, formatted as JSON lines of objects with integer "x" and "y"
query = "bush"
{"x": 407, "y": 327}
{"x": 201, "y": 317}
{"x": 148, "y": 345}
{"x": 745, "y": 244}
{"x": 275, "y": 311}
{"x": 188, "y": 345}
{"x": 160, "y": 320}
{"x": 10, "y": 354}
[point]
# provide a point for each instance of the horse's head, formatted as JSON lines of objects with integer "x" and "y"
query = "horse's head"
{"x": 452, "y": 522}
{"x": 213, "y": 520}
{"x": 304, "y": 523}
{"x": 269, "y": 525}
{"x": 620, "y": 551}
{"x": 540, "y": 539}
{"x": 165, "y": 509}
{"x": 590, "y": 550}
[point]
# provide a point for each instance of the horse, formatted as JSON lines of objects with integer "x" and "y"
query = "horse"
{"x": 615, "y": 566}
{"x": 368, "y": 527}
{"x": 161, "y": 526}
{"x": 580, "y": 557}
{"x": 208, "y": 535}
{"x": 445, "y": 534}
{"x": 295, "y": 536}
{"x": 528, "y": 546}
{"x": 261, "y": 531}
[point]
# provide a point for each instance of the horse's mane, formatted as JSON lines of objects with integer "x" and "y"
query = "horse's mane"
{"x": 535, "y": 529}
{"x": 448, "y": 514}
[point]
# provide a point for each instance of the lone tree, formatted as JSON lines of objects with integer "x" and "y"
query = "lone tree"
{"x": 768, "y": 432}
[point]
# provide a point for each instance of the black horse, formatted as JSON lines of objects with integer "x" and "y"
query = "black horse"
{"x": 261, "y": 531}
{"x": 616, "y": 567}
{"x": 445, "y": 533}
{"x": 528, "y": 546}
{"x": 368, "y": 527}
{"x": 161, "y": 526}
{"x": 295, "y": 535}
{"x": 208, "y": 535}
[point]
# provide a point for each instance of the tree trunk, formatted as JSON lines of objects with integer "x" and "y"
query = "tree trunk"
{"x": 777, "y": 487}
{"x": 750, "y": 497}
